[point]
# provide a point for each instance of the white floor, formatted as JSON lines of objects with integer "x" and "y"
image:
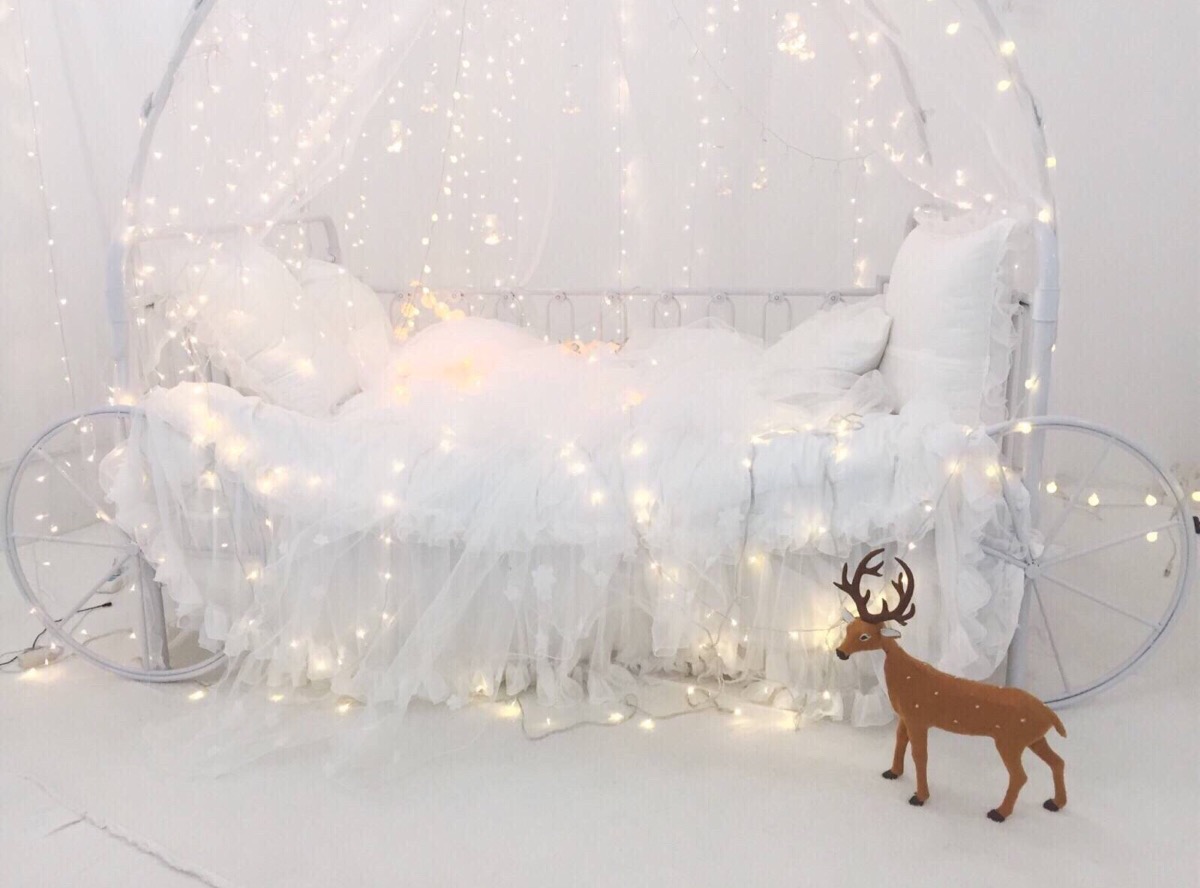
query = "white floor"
{"x": 697, "y": 801}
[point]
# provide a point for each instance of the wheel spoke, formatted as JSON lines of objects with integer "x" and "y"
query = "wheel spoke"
{"x": 1090, "y": 597}
{"x": 67, "y": 541}
{"x": 113, "y": 572}
{"x": 1018, "y": 532}
{"x": 1003, "y": 556}
{"x": 1052, "y": 534}
{"x": 74, "y": 484}
{"x": 1037, "y": 596}
{"x": 1059, "y": 559}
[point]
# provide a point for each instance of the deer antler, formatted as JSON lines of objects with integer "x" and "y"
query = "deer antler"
{"x": 852, "y": 587}
{"x": 904, "y": 584}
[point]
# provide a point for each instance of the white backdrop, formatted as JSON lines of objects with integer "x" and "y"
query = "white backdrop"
{"x": 1118, "y": 87}
{"x": 91, "y": 65}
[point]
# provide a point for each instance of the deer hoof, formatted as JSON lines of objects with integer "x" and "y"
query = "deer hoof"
{"x": 1050, "y": 805}
{"x": 916, "y": 801}
{"x": 995, "y": 815}
{"x": 889, "y": 774}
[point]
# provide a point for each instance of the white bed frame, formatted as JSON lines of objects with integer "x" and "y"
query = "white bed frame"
{"x": 1027, "y": 392}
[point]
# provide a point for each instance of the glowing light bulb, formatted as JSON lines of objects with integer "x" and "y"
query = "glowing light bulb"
{"x": 1093, "y": 500}
{"x": 1152, "y": 536}
{"x": 1151, "y": 500}
{"x": 646, "y": 724}
{"x": 1004, "y": 86}
{"x": 793, "y": 39}
{"x": 198, "y": 694}
{"x": 1051, "y": 487}
{"x": 953, "y": 28}
{"x": 1007, "y": 48}
{"x": 396, "y": 143}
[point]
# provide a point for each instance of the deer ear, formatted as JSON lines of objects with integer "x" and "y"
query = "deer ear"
{"x": 889, "y": 632}
{"x": 847, "y": 617}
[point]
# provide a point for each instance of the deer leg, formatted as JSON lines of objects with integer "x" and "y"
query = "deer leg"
{"x": 919, "y": 750}
{"x": 1043, "y": 751}
{"x": 1016, "y": 779}
{"x": 897, "y": 767}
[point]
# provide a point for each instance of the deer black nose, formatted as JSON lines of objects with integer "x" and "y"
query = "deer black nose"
{"x": 842, "y": 655}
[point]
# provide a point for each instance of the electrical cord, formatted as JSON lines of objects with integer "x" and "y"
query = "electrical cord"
{"x": 33, "y": 645}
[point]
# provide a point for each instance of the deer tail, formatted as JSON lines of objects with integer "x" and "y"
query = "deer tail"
{"x": 1058, "y": 725}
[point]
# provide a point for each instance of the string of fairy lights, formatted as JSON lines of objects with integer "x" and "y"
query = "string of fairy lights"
{"x": 34, "y": 154}
{"x": 789, "y": 42}
{"x": 470, "y": 187}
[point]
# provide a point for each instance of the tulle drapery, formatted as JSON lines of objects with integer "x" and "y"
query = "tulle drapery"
{"x": 647, "y": 513}
{"x": 560, "y": 522}
{"x": 468, "y": 146}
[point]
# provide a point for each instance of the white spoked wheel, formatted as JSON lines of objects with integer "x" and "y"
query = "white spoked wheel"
{"x": 1106, "y": 552}
{"x": 82, "y": 574}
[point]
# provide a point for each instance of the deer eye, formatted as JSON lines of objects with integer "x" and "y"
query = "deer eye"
{"x": 864, "y": 637}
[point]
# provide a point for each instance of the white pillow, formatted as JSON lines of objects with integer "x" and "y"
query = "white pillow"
{"x": 848, "y": 337}
{"x": 844, "y": 337}
{"x": 352, "y": 313}
{"x": 952, "y": 309}
{"x": 249, "y": 315}
{"x": 827, "y": 352}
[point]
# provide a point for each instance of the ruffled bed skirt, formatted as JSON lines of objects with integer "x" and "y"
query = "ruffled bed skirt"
{"x": 384, "y": 563}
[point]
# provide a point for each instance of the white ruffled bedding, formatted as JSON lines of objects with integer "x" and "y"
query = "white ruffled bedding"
{"x": 500, "y": 514}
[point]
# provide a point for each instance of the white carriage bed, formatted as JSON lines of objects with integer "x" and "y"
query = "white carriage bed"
{"x": 480, "y": 512}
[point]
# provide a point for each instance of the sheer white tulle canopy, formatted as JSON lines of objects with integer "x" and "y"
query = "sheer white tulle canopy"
{"x": 475, "y": 511}
{"x": 494, "y": 145}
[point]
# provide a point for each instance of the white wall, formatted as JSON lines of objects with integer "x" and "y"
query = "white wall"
{"x": 1118, "y": 83}
{"x": 1119, "y": 86}
{"x": 90, "y": 65}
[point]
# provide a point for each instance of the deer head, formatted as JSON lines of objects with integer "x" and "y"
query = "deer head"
{"x": 866, "y": 631}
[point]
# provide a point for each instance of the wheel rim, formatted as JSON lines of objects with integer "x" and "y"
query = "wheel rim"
{"x": 1107, "y": 556}
{"x": 77, "y": 568}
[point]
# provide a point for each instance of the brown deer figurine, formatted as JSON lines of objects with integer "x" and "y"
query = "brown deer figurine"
{"x": 925, "y": 698}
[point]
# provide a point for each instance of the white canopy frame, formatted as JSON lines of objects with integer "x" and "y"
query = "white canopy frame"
{"x": 1029, "y": 385}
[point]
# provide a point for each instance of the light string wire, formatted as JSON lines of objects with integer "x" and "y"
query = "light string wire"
{"x": 622, "y": 84}
{"x": 59, "y": 301}
{"x": 741, "y": 103}
{"x": 446, "y": 147}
